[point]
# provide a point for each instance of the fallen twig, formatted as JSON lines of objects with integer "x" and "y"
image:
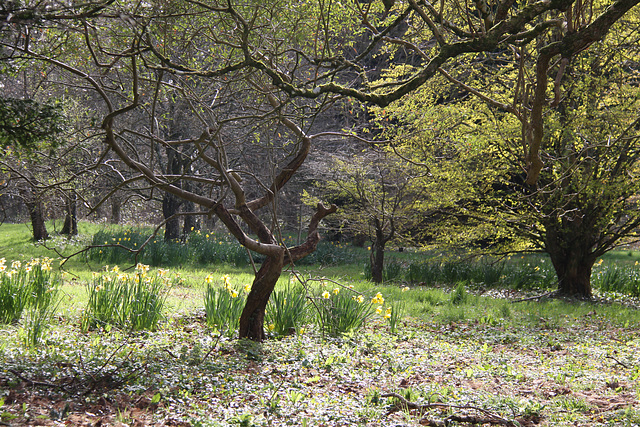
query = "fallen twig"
{"x": 487, "y": 417}
{"x": 545, "y": 295}
{"x": 34, "y": 382}
{"x": 619, "y": 362}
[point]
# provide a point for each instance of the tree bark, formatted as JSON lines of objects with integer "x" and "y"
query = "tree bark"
{"x": 377, "y": 255}
{"x": 116, "y": 210}
{"x": 252, "y": 318}
{"x": 170, "y": 207}
{"x": 34, "y": 206}
{"x": 190, "y": 223}
{"x": 70, "y": 226}
{"x": 573, "y": 261}
{"x": 377, "y": 250}
{"x": 170, "y": 202}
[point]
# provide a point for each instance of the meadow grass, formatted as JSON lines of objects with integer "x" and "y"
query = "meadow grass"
{"x": 428, "y": 297}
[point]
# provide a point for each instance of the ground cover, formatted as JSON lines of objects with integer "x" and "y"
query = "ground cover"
{"x": 526, "y": 362}
{"x": 462, "y": 350}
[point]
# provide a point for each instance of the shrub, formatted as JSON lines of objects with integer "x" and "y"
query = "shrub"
{"x": 459, "y": 295}
{"x": 115, "y": 247}
{"x": 427, "y": 273}
{"x": 330, "y": 253}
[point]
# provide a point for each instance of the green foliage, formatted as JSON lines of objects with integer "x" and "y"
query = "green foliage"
{"x": 341, "y": 311}
{"x": 37, "y": 322}
{"x": 331, "y": 253}
{"x": 393, "y": 314}
{"x": 127, "y": 301}
{"x": 24, "y": 123}
{"x": 516, "y": 273}
{"x": 459, "y": 295}
{"x": 287, "y": 310}
{"x": 223, "y": 306}
{"x": 30, "y": 285}
{"x": 200, "y": 248}
{"x": 116, "y": 247}
{"x": 392, "y": 271}
{"x": 619, "y": 279}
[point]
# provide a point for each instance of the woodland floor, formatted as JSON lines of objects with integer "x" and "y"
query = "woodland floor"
{"x": 576, "y": 371}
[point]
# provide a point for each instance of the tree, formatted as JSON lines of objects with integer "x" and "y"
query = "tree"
{"x": 379, "y": 196}
{"x": 259, "y": 72}
{"x": 583, "y": 202}
{"x": 232, "y": 107}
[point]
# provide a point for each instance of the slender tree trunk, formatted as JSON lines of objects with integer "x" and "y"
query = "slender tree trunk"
{"x": 377, "y": 254}
{"x": 190, "y": 223}
{"x": 70, "y": 226}
{"x": 171, "y": 203}
{"x": 377, "y": 261}
{"x": 252, "y": 318}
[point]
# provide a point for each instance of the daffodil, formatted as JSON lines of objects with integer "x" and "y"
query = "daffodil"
{"x": 227, "y": 281}
{"x": 359, "y": 299}
{"x": 379, "y": 309}
{"x": 378, "y": 299}
{"x": 326, "y": 295}
{"x": 247, "y": 288}
{"x": 336, "y": 291}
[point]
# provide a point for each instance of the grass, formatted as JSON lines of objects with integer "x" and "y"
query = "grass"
{"x": 551, "y": 362}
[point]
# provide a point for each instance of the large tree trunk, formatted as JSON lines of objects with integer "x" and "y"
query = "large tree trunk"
{"x": 34, "y": 205}
{"x": 573, "y": 259}
{"x": 574, "y": 276}
{"x": 170, "y": 202}
{"x": 190, "y": 223}
{"x": 252, "y": 318}
{"x": 170, "y": 207}
{"x": 70, "y": 226}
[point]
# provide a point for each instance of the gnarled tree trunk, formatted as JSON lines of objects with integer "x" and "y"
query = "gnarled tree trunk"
{"x": 571, "y": 251}
{"x": 252, "y": 319}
